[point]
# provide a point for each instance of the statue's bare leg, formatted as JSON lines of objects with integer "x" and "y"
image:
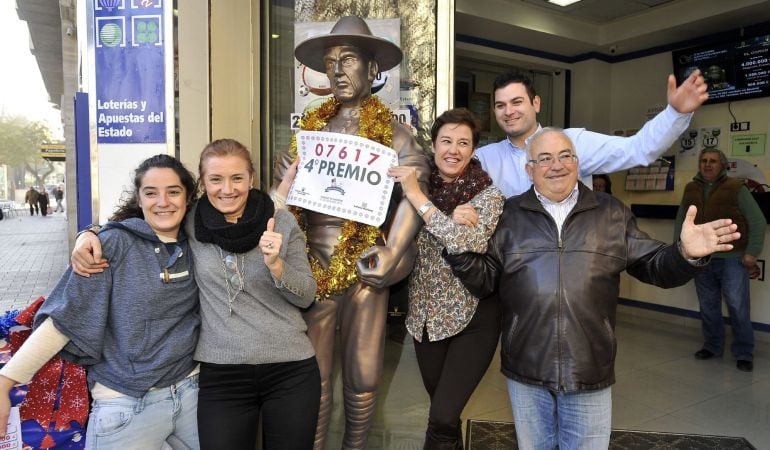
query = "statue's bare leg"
{"x": 321, "y": 322}
{"x": 362, "y": 329}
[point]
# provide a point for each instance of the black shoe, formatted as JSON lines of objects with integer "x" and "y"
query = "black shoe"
{"x": 704, "y": 354}
{"x": 744, "y": 366}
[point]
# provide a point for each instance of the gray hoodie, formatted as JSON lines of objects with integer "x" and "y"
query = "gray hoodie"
{"x": 134, "y": 326}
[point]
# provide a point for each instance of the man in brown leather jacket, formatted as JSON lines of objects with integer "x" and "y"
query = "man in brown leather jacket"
{"x": 555, "y": 261}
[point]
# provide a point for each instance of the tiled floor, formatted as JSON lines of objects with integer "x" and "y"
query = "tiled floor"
{"x": 660, "y": 387}
{"x": 33, "y": 256}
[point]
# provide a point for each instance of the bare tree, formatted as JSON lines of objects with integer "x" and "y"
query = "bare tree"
{"x": 20, "y": 141}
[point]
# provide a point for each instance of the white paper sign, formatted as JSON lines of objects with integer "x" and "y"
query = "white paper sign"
{"x": 12, "y": 439}
{"x": 688, "y": 142}
{"x": 343, "y": 176}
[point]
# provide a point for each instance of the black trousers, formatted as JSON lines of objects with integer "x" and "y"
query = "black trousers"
{"x": 232, "y": 397}
{"x": 452, "y": 368}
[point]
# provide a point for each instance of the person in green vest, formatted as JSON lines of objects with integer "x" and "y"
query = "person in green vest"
{"x": 727, "y": 276}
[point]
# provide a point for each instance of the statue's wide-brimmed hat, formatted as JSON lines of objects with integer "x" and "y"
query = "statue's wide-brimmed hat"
{"x": 352, "y": 31}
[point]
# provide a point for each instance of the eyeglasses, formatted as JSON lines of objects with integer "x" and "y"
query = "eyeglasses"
{"x": 549, "y": 160}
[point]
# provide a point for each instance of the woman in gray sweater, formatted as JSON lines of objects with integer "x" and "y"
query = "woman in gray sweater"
{"x": 254, "y": 277}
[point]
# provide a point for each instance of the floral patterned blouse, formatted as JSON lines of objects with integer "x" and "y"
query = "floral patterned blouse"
{"x": 438, "y": 300}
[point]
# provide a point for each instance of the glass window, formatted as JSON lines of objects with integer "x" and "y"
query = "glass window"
{"x": 415, "y": 93}
{"x": 279, "y": 95}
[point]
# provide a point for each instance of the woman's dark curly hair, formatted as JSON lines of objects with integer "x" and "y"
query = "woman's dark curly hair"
{"x": 129, "y": 207}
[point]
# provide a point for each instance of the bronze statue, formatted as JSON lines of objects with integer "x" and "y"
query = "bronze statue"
{"x": 353, "y": 291}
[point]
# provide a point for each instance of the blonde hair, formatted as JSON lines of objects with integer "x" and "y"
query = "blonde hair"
{"x": 221, "y": 148}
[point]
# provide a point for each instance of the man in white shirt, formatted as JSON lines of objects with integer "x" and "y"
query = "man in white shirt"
{"x": 516, "y": 106}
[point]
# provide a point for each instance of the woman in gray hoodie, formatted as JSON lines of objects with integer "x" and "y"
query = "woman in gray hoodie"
{"x": 134, "y": 326}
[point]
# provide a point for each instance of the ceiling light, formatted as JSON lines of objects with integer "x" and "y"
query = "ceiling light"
{"x": 275, "y": 36}
{"x": 563, "y": 2}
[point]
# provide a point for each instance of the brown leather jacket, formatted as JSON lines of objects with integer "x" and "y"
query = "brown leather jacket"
{"x": 559, "y": 296}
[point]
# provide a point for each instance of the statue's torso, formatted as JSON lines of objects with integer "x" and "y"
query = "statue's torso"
{"x": 323, "y": 233}
{"x": 323, "y": 230}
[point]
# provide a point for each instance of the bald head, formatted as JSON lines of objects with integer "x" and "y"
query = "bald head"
{"x": 552, "y": 165}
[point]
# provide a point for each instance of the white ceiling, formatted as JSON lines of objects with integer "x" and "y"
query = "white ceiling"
{"x": 609, "y": 27}
{"x": 599, "y": 11}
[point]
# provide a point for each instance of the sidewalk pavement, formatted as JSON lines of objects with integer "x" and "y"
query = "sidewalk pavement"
{"x": 33, "y": 256}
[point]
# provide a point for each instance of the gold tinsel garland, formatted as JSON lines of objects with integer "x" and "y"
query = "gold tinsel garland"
{"x": 355, "y": 237}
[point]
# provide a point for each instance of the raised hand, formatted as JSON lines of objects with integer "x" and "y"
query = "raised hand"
{"x": 689, "y": 95}
{"x": 407, "y": 176}
{"x": 707, "y": 238}
{"x": 270, "y": 244}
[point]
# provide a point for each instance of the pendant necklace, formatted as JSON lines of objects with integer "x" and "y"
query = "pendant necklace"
{"x": 233, "y": 276}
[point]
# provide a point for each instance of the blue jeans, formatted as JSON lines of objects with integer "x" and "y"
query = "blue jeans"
{"x": 163, "y": 418}
{"x": 545, "y": 419}
{"x": 725, "y": 278}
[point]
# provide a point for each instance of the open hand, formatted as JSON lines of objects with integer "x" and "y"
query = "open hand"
{"x": 707, "y": 238}
{"x": 689, "y": 95}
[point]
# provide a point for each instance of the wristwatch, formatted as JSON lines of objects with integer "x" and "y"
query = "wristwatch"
{"x": 92, "y": 228}
{"x": 424, "y": 208}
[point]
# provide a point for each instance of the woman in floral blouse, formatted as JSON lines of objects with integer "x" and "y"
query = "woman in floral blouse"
{"x": 455, "y": 334}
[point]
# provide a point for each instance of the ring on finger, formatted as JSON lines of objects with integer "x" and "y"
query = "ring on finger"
{"x": 269, "y": 244}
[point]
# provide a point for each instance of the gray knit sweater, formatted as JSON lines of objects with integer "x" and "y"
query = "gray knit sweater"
{"x": 266, "y": 324}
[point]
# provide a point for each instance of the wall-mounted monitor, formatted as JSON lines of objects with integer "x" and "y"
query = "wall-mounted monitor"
{"x": 735, "y": 70}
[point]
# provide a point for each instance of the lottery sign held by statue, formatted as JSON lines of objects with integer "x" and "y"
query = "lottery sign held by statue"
{"x": 343, "y": 176}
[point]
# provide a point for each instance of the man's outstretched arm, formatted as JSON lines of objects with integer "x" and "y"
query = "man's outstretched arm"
{"x": 601, "y": 153}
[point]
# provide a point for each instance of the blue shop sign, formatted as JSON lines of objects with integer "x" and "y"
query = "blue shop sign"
{"x": 129, "y": 50}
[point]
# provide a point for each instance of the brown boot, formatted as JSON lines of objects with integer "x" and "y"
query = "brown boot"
{"x": 431, "y": 444}
{"x": 449, "y": 438}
